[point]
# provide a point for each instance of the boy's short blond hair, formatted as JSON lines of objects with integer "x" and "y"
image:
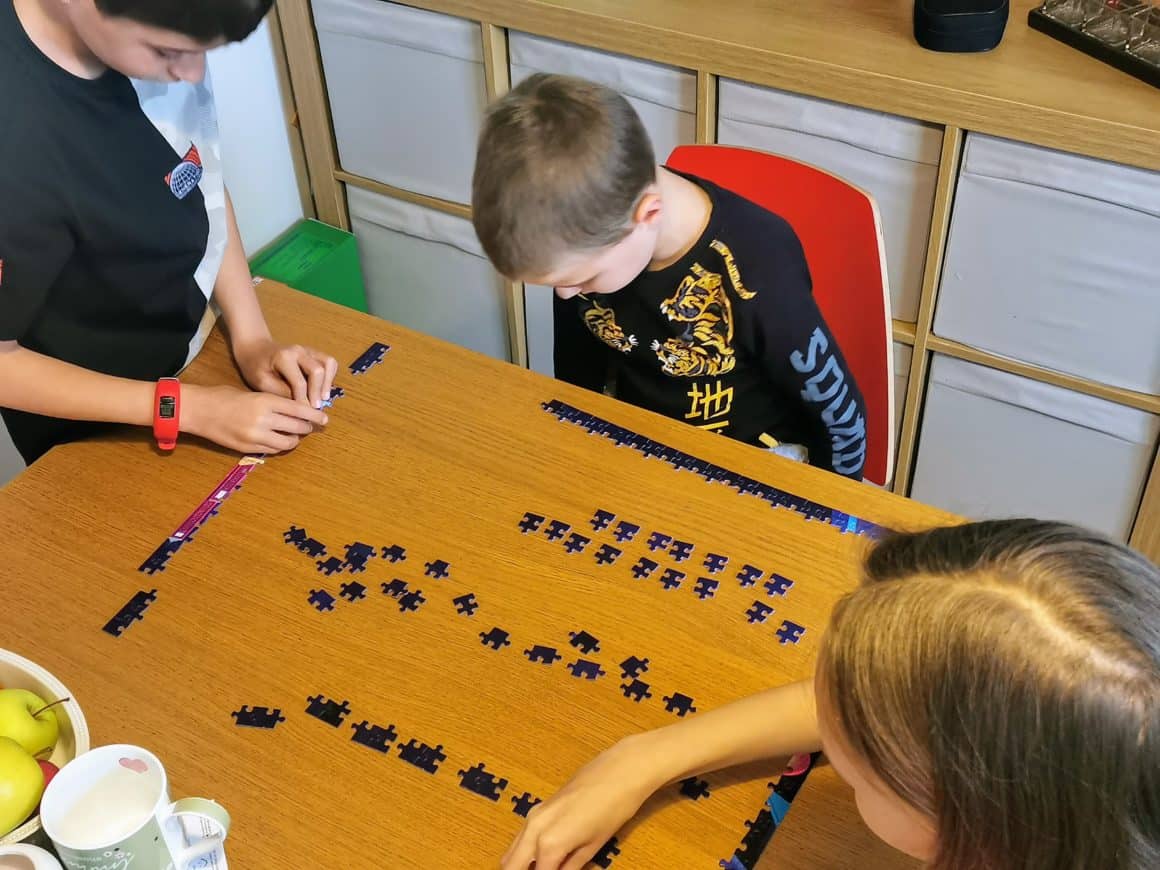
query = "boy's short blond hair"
{"x": 561, "y": 164}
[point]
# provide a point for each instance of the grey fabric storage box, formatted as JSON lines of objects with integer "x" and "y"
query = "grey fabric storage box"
{"x": 407, "y": 93}
{"x": 998, "y": 445}
{"x": 425, "y": 270}
{"x": 1054, "y": 259}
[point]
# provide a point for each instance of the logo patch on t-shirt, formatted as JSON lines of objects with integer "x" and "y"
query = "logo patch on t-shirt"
{"x": 183, "y": 179}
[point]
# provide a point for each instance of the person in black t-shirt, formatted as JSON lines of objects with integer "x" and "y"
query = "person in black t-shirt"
{"x": 672, "y": 293}
{"x": 116, "y": 231}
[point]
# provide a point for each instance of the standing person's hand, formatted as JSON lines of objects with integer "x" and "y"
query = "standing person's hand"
{"x": 247, "y": 422}
{"x": 296, "y": 372}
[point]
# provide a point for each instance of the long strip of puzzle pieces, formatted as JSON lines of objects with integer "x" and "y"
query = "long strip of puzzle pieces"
{"x": 232, "y": 482}
{"x": 680, "y": 460}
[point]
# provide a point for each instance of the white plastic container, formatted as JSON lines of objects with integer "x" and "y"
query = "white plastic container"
{"x": 426, "y": 270}
{"x": 407, "y": 93}
{"x": 894, "y": 159}
{"x": 665, "y": 97}
{"x": 998, "y": 445}
{"x": 1055, "y": 259}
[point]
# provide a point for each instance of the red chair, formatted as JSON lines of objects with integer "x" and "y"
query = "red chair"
{"x": 840, "y": 230}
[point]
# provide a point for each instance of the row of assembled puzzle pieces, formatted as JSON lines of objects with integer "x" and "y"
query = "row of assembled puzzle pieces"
{"x": 660, "y": 544}
{"x": 356, "y": 559}
{"x": 476, "y": 779}
{"x": 712, "y": 473}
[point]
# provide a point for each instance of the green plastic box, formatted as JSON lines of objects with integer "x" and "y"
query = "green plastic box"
{"x": 318, "y": 259}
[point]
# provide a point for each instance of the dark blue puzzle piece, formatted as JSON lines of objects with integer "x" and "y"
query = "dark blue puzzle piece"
{"x": 438, "y": 569}
{"x": 523, "y": 804}
{"x": 759, "y": 612}
{"x": 607, "y": 852}
{"x": 478, "y": 781}
{"x": 576, "y": 543}
{"x": 636, "y": 690}
{"x": 556, "y": 530}
{"x": 313, "y": 548}
{"x": 715, "y": 563}
{"x": 606, "y": 554}
{"x": 497, "y": 638}
{"x": 336, "y": 393}
{"x": 374, "y": 736}
{"x": 545, "y": 655}
{"x": 644, "y": 568}
{"x": 748, "y": 576}
{"x": 694, "y": 788}
{"x": 330, "y": 566}
{"x": 395, "y": 588}
{"x": 422, "y": 756}
{"x": 466, "y": 604}
{"x": 756, "y": 839}
{"x": 601, "y": 520}
{"x": 790, "y": 632}
{"x": 586, "y": 669}
{"x": 705, "y": 588}
{"x": 258, "y": 717}
{"x": 625, "y": 531}
{"x": 411, "y": 601}
{"x": 394, "y": 553}
{"x": 160, "y": 557}
{"x": 357, "y": 556}
{"x": 778, "y": 585}
{"x": 531, "y": 523}
{"x": 353, "y": 591}
{"x": 681, "y": 551}
{"x": 294, "y": 535}
{"x": 659, "y": 541}
{"x": 671, "y": 578}
{"x": 133, "y": 611}
{"x": 680, "y": 704}
{"x": 331, "y": 712}
{"x": 632, "y": 667}
{"x": 369, "y": 358}
{"x": 322, "y": 600}
{"x": 584, "y": 642}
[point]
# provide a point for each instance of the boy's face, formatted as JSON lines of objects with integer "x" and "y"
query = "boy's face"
{"x": 137, "y": 50}
{"x": 608, "y": 269}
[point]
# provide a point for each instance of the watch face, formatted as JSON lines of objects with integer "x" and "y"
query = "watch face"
{"x": 167, "y": 408}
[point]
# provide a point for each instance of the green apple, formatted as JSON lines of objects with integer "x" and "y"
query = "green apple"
{"x": 27, "y": 719}
{"x": 21, "y": 785}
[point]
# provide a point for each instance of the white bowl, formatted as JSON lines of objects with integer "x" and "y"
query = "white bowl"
{"x": 20, "y": 673}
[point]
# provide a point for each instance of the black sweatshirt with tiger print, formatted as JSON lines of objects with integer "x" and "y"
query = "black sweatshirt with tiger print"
{"x": 728, "y": 338}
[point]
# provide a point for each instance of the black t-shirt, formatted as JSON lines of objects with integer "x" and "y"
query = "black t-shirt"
{"x": 728, "y": 338}
{"x": 112, "y": 221}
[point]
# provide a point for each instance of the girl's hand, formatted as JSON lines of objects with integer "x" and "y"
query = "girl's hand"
{"x": 299, "y": 373}
{"x": 247, "y": 422}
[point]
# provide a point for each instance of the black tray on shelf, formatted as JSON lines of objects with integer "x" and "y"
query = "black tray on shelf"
{"x": 1097, "y": 48}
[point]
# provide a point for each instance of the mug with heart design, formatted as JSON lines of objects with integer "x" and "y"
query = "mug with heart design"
{"x": 109, "y": 809}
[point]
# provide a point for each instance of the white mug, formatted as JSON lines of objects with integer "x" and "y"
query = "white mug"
{"x": 21, "y": 856}
{"x": 109, "y": 809}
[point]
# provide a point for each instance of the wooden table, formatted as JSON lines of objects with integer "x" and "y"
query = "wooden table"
{"x": 441, "y": 451}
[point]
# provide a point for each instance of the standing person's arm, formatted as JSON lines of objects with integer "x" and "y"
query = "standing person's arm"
{"x": 297, "y": 372}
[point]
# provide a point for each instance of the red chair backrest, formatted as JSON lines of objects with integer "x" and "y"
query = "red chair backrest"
{"x": 841, "y": 234}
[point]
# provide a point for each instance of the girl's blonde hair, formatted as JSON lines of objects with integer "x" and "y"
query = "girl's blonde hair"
{"x": 1004, "y": 678}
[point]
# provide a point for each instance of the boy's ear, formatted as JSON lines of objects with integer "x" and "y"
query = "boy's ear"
{"x": 649, "y": 209}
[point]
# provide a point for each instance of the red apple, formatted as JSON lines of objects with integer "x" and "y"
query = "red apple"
{"x": 49, "y": 769}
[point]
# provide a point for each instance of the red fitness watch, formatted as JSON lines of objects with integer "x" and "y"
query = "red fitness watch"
{"x": 167, "y": 412}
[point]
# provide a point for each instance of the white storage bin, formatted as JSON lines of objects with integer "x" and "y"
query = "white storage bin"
{"x": 665, "y": 97}
{"x": 407, "y": 93}
{"x": 997, "y": 445}
{"x": 894, "y": 159}
{"x": 1055, "y": 259}
{"x": 425, "y": 270}
{"x": 540, "y": 328}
